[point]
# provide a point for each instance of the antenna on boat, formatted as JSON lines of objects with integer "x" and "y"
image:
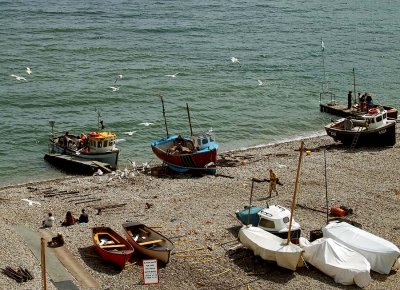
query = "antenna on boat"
{"x": 295, "y": 190}
{"x": 354, "y": 86}
{"x": 163, "y": 110}
{"x": 190, "y": 122}
{"x": 326, "y": 191}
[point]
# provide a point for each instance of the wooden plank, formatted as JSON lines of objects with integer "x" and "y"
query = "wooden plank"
{"x": 101, "y": 166}
{"x": 113, "y": 246}
{"x": 150, "y": 242}
{"x": 144, "y": 231}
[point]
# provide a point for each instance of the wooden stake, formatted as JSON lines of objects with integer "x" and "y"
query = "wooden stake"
{"x": 43, "y": 264}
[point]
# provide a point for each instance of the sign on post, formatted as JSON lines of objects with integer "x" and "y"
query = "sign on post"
{"x": 150, "y": 272}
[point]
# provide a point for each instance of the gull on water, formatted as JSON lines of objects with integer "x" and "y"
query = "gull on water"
{"x": 172, "y": 76}
{"x": 118, "y": 78}
{"x": 146, "y": 124}
{"x": 130, "y": 133}
{"x": 31, "y": 202}
{"x": 18, "y": 78}
{"x": 114, "y": 89}
{"x": 234, "y": 60}
{"x": 28, "y": 70}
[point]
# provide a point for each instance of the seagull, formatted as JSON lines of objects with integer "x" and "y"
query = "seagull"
{"x": 18, "y": 78}
{"x": 146, "y": 124}
{"x": 234, "y": 60}
{"x": 28, "y": 70}
{"x": 98, "y": 172}
{"x": 114, "y": 89}
{"x": 133, "y": 163}
{"x": 130, "y": 133}
{"x": 31, "y": 202}
{"x": 172, "y": 76}
{"x": 146, "y": 166}
{"x": 261, "y": 83}
{"x": 118, "y": 78}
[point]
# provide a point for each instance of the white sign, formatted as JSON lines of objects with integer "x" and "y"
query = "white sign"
{"x": 150, "y": 272}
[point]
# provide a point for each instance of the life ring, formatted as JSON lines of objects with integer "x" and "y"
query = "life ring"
{"x": 373, "y": 111}
{"x": 94, "y": 134}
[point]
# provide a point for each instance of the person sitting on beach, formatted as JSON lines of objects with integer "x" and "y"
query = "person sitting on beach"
{"x": 84, "y": 217}
{"x": 69, "y": 220}
{"x": 49, "y": 220}
{"x": 57, "y": 241}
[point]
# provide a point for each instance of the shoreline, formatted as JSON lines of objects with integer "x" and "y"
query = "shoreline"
{"x": 198, "y": 212}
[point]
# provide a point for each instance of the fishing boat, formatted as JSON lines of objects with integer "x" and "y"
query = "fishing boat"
{"x": 380, "y": 253}
{"x": 147, "y": 241}
{"x": 194, "y": 152}
{"x": 96, "y": 146}
{"x": 374, "y": 129}
{"x": 111, "y": 246}
{"x": 273, "y": 218}
{"x": 269, "y": 246}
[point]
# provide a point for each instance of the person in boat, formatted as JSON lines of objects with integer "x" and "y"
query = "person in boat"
{"x": 69, "y": 220}
{"x": 348, "y": 123}
{"x": 82, "y": 142}
{"x": 57, "y": 241}
{"x": 66, "y": 140}
{"x": 48, "y": 221}
{"x": 84, "y": 217}
{"x": 368, "y": 99}
{"x": 273, "y": 180}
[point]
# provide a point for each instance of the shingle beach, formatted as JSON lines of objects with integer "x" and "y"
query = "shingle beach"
{"x": 198, "y": 214}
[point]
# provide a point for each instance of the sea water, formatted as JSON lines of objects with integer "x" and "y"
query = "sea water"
{"x": 76, "y": 50}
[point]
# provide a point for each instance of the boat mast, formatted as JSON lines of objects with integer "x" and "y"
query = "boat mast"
{"x": 354, "y": 86}
{"x": 324, "y": 86}
{"x": 295, "y": 190}
{"x": 190, "y": 123}
{"x": 165, "y": 119}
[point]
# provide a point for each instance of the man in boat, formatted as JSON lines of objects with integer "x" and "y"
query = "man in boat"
{"x": 273, "y": 180}
{"x": 368, "y": 99}
{"x": 348, "y": 124}
{"x": 65, "y": 141}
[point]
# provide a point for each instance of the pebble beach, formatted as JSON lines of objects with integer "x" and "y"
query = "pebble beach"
{"x": 198, "y": 214}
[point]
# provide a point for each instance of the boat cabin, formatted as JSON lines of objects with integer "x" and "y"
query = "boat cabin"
{"x": 375, "y": 118}
{"x": 203, "y": 140}
{"x": 101, "y": 142}
{"x": 275, "y": 218}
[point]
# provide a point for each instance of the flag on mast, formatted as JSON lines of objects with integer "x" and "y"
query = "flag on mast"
{"x": 322, "y": 45}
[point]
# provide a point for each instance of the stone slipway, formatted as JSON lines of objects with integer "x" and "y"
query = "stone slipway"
{"x": 58, "y": 260}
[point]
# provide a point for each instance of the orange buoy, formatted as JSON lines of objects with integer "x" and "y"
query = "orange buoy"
{"x": 336, "y": 211}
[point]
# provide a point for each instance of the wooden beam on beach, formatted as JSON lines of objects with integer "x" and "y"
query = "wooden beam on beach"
{"x": 87, "y": 201}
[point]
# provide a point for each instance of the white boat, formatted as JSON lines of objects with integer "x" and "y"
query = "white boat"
{"x": 343, "y": 264}
{"x": 272, "y": 218}
{"x": 380, "y": 253}
{"x": 270, "y": 247}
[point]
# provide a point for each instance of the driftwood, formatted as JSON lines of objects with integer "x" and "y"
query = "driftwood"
{"x": 19, "y": 275}
{"x": 51, "y": 194}
{"x": 313, "y": 209}
{"x": 111, "y": 206}
{"x": 87, "y": 201}
{"x": 223, "y": 175}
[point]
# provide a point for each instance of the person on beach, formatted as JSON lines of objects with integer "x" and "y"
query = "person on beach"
{"x": 84, "y": 217}
{"x": 49, "y": 220}
{"x": 273, "y": 180}
{"x": 69, "y": 220}
{"x": 57, "y": 241}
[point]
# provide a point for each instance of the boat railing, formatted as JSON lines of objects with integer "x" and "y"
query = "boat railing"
{"x": 329, "y": 94}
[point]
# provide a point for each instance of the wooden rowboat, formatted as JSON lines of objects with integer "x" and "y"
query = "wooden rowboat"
{"x": 148, "y": 242}
{"x": 111, "y": 246}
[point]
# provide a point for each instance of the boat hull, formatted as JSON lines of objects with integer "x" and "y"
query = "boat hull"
{"x": 202, "y": 160}
{"x": 148, "y": 241}
{"x": 118, "y": 253}
{"x": 383, "y": 136}
{"x": 110, "y": 158}
{"x": 270, "y": 247}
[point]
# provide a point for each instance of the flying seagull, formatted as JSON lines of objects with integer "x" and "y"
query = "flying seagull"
{"x": 130, "y": 133}
{"x": 146, "y": 124}
{"x": 31, "y": 202}
{"x": 28, "y": 70}
{"x": 114, "y": 89}
{"x": 234, "y": 60}
{"x": 118, "y": 78}
{"x": 261, "y": 83}
{"x": 172, "y": 76}
{"x": 18, "y": 78}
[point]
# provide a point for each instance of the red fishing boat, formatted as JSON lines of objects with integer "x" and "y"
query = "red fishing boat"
{"x": 111, "y": 246}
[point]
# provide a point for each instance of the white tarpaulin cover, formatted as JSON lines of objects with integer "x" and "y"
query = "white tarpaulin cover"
{"x": 343, "y": 264}
{"x": 380, "y": 253}
{"x": 270, "y": 247}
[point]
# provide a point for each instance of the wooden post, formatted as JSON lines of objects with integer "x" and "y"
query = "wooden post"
{"x": 251, "y": 197}
{"x": 190, "y": 122}
{"x": 165, "y": 119}
{"x": 295, "y": 191}
{"x": 43, "y": 264}
{"x": 326, "y": 191}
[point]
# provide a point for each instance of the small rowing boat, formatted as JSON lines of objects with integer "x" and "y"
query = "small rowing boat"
{"x": 111, "y": 246}
{"x": 148, "y": 241}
